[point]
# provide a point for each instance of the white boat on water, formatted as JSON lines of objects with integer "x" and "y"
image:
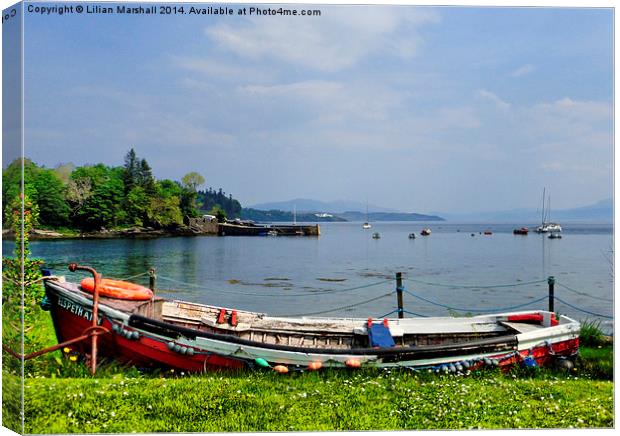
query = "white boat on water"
{"x": 546, "y": 225}
{"x": 549, "y": 228}
{"x": 366, "y": 225}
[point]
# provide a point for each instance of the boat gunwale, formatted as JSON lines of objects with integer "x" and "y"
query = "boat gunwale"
{"x": 510, "y": 340}
{"x": 138, "y": 321}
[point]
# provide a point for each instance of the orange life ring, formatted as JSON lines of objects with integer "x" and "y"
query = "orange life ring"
{"x": 117, "y": 289}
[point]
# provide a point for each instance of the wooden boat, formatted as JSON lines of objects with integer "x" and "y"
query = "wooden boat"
{"x": 521, "y": 231}
{"x": 196, "y": 337}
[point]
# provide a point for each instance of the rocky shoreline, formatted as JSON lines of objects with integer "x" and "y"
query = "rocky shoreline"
{"x": 132, "y": 232}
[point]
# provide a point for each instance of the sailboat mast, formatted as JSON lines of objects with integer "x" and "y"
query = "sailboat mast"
{"x": 542, "y": 218}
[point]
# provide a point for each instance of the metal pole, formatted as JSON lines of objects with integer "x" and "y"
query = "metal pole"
{"x": 96, "y": 281}
{"x": 152, "y": 279}
{"x": 551, "y": 283}
{"x": 399, "y": 294}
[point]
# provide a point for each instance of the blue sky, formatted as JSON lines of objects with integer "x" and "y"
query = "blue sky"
{"x": 416, "y": 109}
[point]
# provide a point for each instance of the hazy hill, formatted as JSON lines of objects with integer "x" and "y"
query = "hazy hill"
{"x": 388, "y": 216}
{"x": 309, "y": 205}
{"x": 600, "y": 211}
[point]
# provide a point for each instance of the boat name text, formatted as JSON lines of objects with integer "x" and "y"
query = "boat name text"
{"x": 77, "y": 309}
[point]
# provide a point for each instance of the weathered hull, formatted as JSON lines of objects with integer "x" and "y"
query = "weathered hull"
{"x": 141, "y": 340}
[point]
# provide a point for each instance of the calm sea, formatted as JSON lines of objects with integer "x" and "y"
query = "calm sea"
{"x": 448, "y": 272}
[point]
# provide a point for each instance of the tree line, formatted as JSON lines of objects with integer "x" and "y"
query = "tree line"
{"x": 93, "y": 197}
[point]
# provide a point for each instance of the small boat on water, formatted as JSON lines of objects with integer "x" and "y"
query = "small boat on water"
{"x": 549, "y": 228}
{"x": 366, "y": 225}
{"x": 151, "y": 331}
{"x": 488, "y": 232}
{"x": 546, "y": 225}
{"x": 521, "y": 231}
{"x": 425, "y": 232}
{"x": 376, "y": 236}
{"x": 411, "y": 235}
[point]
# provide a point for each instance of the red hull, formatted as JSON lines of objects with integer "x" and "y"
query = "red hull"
{"x": 143, "y": 352}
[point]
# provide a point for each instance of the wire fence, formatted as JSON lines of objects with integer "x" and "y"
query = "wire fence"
{"x": 402, "y": 289}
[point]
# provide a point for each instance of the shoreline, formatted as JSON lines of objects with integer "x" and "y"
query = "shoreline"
{"x": 132, "y": 232}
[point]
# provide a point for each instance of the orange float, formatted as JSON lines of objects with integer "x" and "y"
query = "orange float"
{"x": 117, "y": 289}
{"x": 353, "y": 363}
{"x": 281, "y": 369}
{"x": 315, "y": 366}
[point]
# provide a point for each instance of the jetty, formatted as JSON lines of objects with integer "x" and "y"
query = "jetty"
{"x": 249, "y": 228}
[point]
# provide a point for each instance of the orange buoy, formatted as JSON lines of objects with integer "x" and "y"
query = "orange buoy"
{"x": 353, "y": 363}
{"x": 314, "y": 366}
{"x": 117, "y": 289}
{"x": 281, "y": 369}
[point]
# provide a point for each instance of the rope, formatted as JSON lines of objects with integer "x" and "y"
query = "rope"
{"x": 501, "y": 309}
{"x": 344, "y": 307}
{"x": 130, "y": 277}
{"x": 583, "y": 310}
{"x": 388, "y": 314}
{"x": 88, "y": 332}
{"x": 300, "y": 294}
{"x": 476, "y": 286}
{"x": 583, "y": 293}
{"x": 403, "y": 311}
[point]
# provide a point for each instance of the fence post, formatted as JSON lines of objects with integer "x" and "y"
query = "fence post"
{"x": 399, "y": 294}
{"x": 551, "y": 283}
{"x": 152, "y": 279}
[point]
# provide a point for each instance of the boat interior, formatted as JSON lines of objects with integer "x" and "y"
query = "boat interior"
{"x": 327, "y": 333}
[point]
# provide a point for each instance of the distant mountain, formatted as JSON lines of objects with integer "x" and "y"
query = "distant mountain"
{"x": 388, "y": 216}
{"x": 274, "y": 215}
{"x": 309, "y": 205}
{"x": 600, "y": 211}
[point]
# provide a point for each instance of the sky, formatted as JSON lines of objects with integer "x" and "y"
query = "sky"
{"x": 417, "y": 109}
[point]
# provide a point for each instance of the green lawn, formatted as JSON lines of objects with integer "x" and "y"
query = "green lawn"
{"x": 61, "y": 397}
{"x": 329, "y": 400}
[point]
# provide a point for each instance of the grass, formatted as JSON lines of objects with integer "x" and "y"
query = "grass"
{"x": 330, "y": 400}
{"x": 61, "y": 397}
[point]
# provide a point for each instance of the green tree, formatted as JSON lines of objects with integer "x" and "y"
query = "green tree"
{"x": 146, "y": 179}
{"x": 12, "y": 182}
{"x": 164, "y": 208}
{"x": 49, "y": 195}
{"x": 192, "y": 181}
{"x": 131, "y": 170}
{"x": 63, "y": 171}
{"x": 104, "y": 205}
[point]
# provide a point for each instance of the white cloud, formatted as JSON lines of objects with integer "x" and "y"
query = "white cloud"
{"x": 488, "y": 95}
{"x": 523, "y": 70}
{"x": 311, "y": 89}
{"x": 222, "y": 69}
{"x": 337, "y": 40}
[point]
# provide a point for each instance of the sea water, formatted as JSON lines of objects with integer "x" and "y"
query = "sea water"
{"x": 457, "y": 270}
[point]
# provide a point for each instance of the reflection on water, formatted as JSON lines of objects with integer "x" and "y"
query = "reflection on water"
{"x": 286, "y": 275}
